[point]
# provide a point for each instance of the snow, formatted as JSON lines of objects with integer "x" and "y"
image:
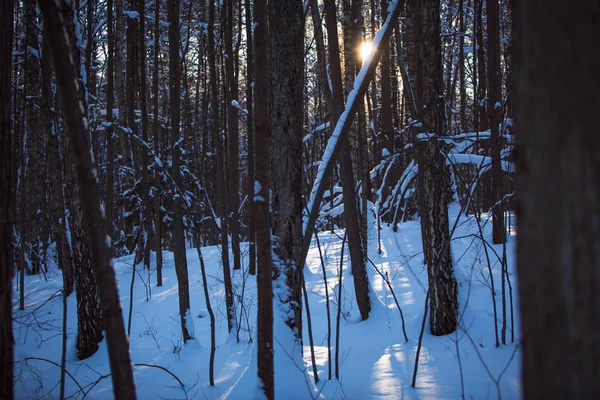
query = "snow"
{"x": 375, "y": 361}
{"x": 257, "y": 187}
{"x": 189, "y": 323}
{"x": 131, "y": 14}
{"x": 484, "y": 161}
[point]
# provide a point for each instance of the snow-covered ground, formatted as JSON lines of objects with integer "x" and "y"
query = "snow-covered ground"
{"x": 375, "y": 361}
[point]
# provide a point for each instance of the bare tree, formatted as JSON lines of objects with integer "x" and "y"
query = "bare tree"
{"x": 89, "y": 324}
{"x": 286, "y": 86}
{"x": 156, "y": 132}
{"x": 110, "y": 103}
{"x": 559, "y": 197}
{"x": 494, "y": 111}
{"x": 433, "y": 180}
{"x": 250, "y": 119}
{"x": 262, "y": 205}
{"x": 233, "y": 176}
{"x": 178, "y": 227}
{"x": 76, "y": 125}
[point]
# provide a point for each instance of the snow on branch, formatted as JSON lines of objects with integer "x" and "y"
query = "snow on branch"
{"x": 361, "y": 84}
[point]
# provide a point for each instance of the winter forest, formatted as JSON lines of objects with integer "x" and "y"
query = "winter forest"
{"x": 299, "y": 199}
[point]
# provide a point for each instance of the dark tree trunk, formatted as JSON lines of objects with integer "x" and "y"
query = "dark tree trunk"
{"x": 250, "y": 120}
{"x": 55, "y": 167}
{"x": 90, "y": 73}
{"x": 146, "y": 220}
{"x": 494, "y": 111}
{"x": 262, "y": 205}
{"x": 156, "y": 132}
{"x": 559, "y": 197}
{"x": 110, "y": 104}
{"x": 6, "y": 203}
{"x": 89, "y": 323}
{"x": 285, "y": 107}
{"x": 219, "y": 167}
{"x": 461, "y": 67}
{"x": 178, "y": 227}
{"x": 233, "y": 176}
{"x": 433, "y": 180}
{"x": 387, "y": 127}
{"x": 76, "y": 126}
{"x": 33, "y": 201}
{"x": 128, "y": 150}
{"x": 482, "y": 82}
{"x": 321, "y": 58}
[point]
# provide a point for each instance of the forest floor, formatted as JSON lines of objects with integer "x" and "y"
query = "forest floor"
{"x": 374, "y": 360}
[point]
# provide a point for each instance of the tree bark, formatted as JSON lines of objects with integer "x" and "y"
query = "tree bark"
{"x": 433, "y": 179}
{"x": 262, "y": 204}
{"x": 286, "y": 96}
{"x": 558, "y": 254}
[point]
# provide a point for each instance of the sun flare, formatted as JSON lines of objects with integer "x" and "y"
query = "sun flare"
{"x": 366, "y": 50}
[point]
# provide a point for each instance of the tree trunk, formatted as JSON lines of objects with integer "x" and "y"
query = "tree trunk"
{"x": 156, "y": 133}
{"x": 433, "y": 179}
{"x": 110, "y": 104}
{"x": 6, "y": 203}
{"x": 387, "y": 127}
{"x": 262, "y": 205}
{"x": 559, "y": 203}
{"x": 90, "y": 73}
{"x": 494, "y": 111}
{"x": 146, "y": 220}
{"x": 461, "y": 67}
{"x": 361, "y": 280}
{"x": 250, "y": 120}
{"x": 233, "y": 177}
{"x": 322, "y": 76}
{"x": 178, "y": 227}
{"x": 481, "y": 86}
{"x": 89, "y": 322}
{"x": 76, "y": 124}
{"x": 285, "y": 107}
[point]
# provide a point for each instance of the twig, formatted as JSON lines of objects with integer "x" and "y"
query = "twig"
{"x": 56, "y": 364}
{"x": 164, "y": 369}
{"x": 386, "y": 279}
{"x": 414, "y": 377}
{"x": 40, "y": 306}
{"x": 339, "y": 312}
{"x": 326, "y": 305}
{"x": 63, "y": 357}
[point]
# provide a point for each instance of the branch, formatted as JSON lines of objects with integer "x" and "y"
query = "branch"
{"x": 342, "y": 127}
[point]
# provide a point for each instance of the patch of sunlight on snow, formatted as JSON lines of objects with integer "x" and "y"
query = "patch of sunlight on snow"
{"x": 165, "y": 294}
{"x": 406, "y": 298}
{"x": 390, "y": 374}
